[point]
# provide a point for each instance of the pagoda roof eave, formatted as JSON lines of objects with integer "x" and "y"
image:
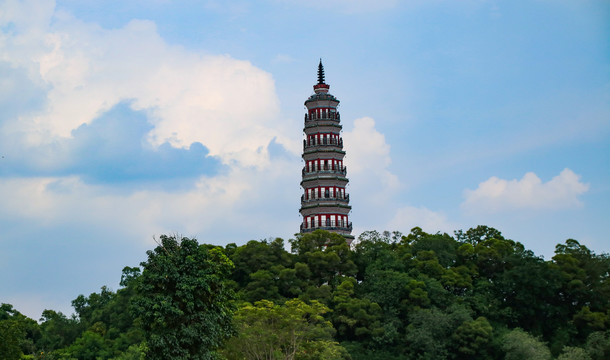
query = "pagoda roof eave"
{"x": 321, "y": 97}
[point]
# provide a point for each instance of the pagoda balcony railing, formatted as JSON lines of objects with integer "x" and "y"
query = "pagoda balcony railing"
{"x": 326, "y": 169}
{"x": 325, "y": 115}
{"x": 329, "y": 225}
{"x": 326, "y": 197}
{"x": 324, "y": 142}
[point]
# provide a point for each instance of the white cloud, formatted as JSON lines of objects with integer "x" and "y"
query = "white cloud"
{"x": 228, "y": 105}
{"x": 372, "y": 185}
{"x": 213, "y": 204}
{"x": 368, "y": 157}
{"x": 430, "y": 221}
{"x": 495, "y": 194}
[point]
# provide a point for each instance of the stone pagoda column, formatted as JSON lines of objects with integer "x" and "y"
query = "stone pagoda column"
{"x": 324, "y": 203}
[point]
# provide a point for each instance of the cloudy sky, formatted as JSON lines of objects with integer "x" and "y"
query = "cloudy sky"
{"x": 123, "y": 120}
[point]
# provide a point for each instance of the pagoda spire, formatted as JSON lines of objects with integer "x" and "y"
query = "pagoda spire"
{"x": 320, "y": 73}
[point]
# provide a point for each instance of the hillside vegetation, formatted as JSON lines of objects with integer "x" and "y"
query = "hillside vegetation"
{"x": 474, "y": 295}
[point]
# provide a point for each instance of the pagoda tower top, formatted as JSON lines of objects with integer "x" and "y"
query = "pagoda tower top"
{"x": 320, "y": 73}
{"x": 321, "y": 87}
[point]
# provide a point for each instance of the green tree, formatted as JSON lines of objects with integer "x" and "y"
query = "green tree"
{"x": 17, "y": 329}
{"x": 519, "y": 345}
{"x": 426, "y": 262}
{"x": 598, "y": 345}
{"x": 93, "y": 309}
{"x": 429, "y": 334}
{"x": 262, "y": 285}
{"x": 295, "y": 330}
{"x": 573, "y": 353}
{"x": 443, "y": 245}
{"x": 134, "y": 352}
{"x": 375, "y": 251}
{"x": 58, "y": 331}
{"x": 458, "y": 280}
{"x": 585, "y": 287}
{"x": 527, "y": 293}
{"x": 476, "y": 235}
{"x": 183, "y": 300}
{"x": 110, "y": 328}
{"x": 257, "y": 255}
{"x": 417, "y": 295}
{"x": 387, "y": 289}
{"x": 473, "y": 339}
{"x": 326, "y": 254}
{"x": 12, "y": 335}
{"x": 589, "y": 321}
{"x": 355, "y": 319}
{"x": 89, "y": 346}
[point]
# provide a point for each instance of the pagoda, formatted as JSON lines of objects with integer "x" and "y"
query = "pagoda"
{"x": 324, "y": 202}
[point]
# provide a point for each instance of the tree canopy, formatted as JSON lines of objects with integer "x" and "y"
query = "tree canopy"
{"x": 183, "y": 300}
{"x": 417, "y": 296}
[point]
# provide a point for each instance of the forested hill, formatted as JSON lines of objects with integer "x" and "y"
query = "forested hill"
{"x": 475, "y": 295}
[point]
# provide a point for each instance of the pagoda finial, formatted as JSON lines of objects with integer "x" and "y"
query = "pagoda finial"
{"x": 320, "y": 73}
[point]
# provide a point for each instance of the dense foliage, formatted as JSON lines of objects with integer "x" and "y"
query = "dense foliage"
{"x": 389, "y": 296}
{"x": 182, "y": 300}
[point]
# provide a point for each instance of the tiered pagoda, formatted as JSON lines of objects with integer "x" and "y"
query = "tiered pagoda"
{"x": 324, "y": 203}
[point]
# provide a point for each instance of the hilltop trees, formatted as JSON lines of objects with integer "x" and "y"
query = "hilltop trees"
{"x": 419, "y": 296}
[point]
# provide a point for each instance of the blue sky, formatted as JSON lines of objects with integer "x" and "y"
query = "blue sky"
{"x": 124, "y": 120}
